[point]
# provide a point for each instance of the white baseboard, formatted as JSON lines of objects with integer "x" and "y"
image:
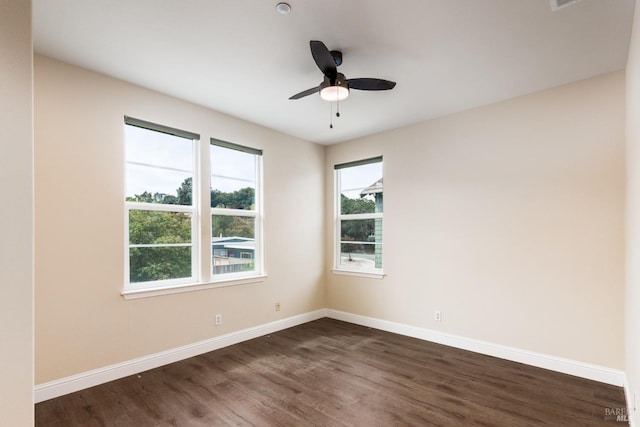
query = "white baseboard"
{"x": 553, "y": 363}
{"x": 99, "y": 376}
{"x": 95, "y": 377}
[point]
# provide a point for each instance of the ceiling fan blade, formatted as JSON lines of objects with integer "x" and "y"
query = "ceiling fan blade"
{"x": 324, "y": 59}
{"x": 370, "y": 84}
{"x": 306, "y": 93}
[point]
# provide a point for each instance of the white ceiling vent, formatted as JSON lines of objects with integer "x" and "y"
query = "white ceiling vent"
{"x": 559, "y": 4}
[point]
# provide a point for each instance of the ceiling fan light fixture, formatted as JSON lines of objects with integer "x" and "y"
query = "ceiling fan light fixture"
{"x": 334, "y": 93}
{"x": 334, "y": 90}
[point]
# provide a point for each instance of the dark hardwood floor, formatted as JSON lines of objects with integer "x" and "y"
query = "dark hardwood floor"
{"x": 331, "y": 373}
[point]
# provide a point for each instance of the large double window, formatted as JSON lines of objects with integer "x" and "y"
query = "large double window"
{"x": 359, "y": 216}
{"x": 166, "y": 220}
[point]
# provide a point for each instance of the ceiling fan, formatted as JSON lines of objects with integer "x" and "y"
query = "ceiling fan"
{"x": 335, "y": 87}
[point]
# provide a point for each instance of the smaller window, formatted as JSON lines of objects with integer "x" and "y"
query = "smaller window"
{"x": 359, "y": 216}
{"x": 236, "y": 220}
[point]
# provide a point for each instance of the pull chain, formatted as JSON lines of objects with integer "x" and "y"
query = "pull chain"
{"x": 331, "y": 115}
{"x": 331, "y": 112}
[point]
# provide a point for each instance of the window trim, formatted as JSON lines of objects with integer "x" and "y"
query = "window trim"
{"x": 376, "y": 273}
{"x": 365, "y": 274}
{"x": 189, "y": 287}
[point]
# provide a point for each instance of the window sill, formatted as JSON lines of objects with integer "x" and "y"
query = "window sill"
{"x": 365, "y": 274}
{"x": 168, "y": 290}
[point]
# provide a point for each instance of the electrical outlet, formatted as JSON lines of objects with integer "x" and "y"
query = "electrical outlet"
{"x": 277, "y": 306}
{"x": 437, "y": 316}
{"x": 218, "y": 319}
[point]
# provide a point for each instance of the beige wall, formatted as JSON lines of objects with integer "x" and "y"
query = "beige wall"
{"x": 82, "y": 322}
{"x": 633, "y": 215}
{"x": 507, "y": 218}
{"x": 16, "y": 226}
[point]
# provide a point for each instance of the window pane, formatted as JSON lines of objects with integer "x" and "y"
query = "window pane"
{"x": 159, "y": 167}
{"x": 361, "y": 189}
{"x": 361, "y": 239}
{"x": 151, "y": 227}
{"x": 360, "y": 230}
{"x": 161, "y": 263}
{"x": 352, "y": 202}
{"x": 237, "y": 195}
{"x": 155, "y": 185}
{"x": 225, "y": 226}
{"x": 233, "y": 244}
{"x": 360, "y": 176}
{"x": 233, "y": 179}
{"x": 232, "y": 164}
{"x": 361, "y": 256}
{"x": 158, "y": 149}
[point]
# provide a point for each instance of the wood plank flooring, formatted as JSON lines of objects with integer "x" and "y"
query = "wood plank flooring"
{"x": 331, "y": 373}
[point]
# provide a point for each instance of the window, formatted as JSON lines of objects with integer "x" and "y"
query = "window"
{"x": 168, "y": 242}
{"x": 359, "y": 216}
{"x": 236, "y": 220}
{"x": 161, "y": 230}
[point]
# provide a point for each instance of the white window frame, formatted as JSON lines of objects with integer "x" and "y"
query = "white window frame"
{"x": 376, "y": 273}
{"x": 200, "y": 211}
{"x": 256, "y": 214}
{"x": 191, "y": 210}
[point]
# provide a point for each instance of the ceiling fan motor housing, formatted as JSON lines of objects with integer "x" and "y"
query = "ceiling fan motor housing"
{"x": 340, "y": 80}
{"x": 337, "y": 57}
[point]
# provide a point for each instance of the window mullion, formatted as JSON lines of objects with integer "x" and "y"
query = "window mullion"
{"x": 360, "y": 216}
{"x": 233, "y": 212}
{"x": 161, "y": 245}
{"x": 139, "y": 206}
{"x": 196, "y": 205}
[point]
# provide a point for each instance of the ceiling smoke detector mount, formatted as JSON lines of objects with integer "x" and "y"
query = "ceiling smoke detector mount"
{"x": 283, "y": 8}
{"x": 559, "y": 4}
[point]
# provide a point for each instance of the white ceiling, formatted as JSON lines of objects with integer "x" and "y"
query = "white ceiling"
{"x": 242, "y": 58}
